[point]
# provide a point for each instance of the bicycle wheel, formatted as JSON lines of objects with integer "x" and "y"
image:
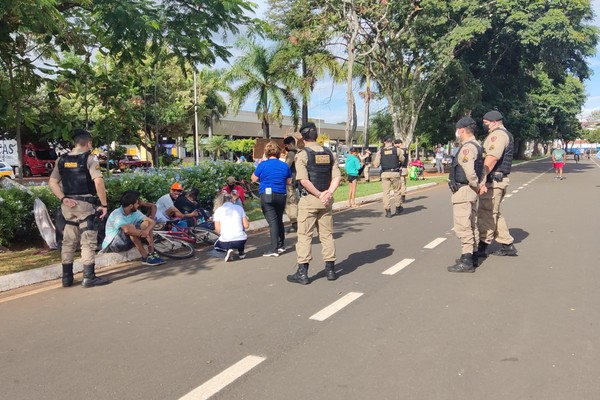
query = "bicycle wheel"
{"x": 204, "y": 236}
{"x": 172, "y": 248}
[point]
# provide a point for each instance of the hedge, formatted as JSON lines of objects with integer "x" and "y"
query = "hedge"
{"x": 17, "y": 221}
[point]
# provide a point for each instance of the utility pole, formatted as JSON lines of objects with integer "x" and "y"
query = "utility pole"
{"x": 196, "y": 150}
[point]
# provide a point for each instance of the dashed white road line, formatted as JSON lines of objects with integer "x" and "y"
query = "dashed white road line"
{"x": 515, "y": 191}
{"x": 336, "y": 306}
{"x": 216, "y": 384}
{"x": 521, "y": 187}
{"x": 398, "y": 267}
{"x": 435, "y": 243}
{"x": 508, "y": 195}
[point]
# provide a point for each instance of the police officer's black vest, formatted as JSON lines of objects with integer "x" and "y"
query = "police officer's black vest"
{"x": 457, "y": 173}
{"x": 389, "y": 159}
{"x": 405, "y": 162}
{"x": 504, "y": 164}
{"x": 74, "y": 174}
{"x": 319, "y": 166}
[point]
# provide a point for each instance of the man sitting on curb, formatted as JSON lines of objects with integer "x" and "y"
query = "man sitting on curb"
{"x": 165, "y": 206}
{"x": 127, "y": 226}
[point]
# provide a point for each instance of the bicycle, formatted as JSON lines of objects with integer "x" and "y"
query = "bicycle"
{"x": 250, "y": 188}
{"x": 177, "y": 242}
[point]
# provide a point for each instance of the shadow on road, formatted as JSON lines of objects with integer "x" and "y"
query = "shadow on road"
{"x": 359, "y": 259}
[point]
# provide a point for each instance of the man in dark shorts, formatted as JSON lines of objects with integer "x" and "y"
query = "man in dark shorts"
{"x": 125, "y": 228}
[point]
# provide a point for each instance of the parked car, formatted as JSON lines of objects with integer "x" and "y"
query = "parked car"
{"x": 133, "y": 162}
{"x": 6, "y": 170}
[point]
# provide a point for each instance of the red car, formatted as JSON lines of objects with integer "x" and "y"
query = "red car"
{"x": 133, "y": 162}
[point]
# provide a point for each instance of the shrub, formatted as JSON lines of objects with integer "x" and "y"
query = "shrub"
{"x": 17, "y": 220}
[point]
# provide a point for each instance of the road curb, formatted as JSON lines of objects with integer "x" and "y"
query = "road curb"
{"x": 54, "y": 271}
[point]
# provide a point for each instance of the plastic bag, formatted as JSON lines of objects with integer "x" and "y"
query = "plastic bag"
{"x": 44, "y": 223}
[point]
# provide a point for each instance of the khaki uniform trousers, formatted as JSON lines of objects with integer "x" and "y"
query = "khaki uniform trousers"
{"x": 291, "y": 203}
{"x": 391, "y": 181}
{"x": 403, "y": 176}
{"x": 464, "y": 211}
{"x": 313, "y": 214}
{"x": 492, "y": 224}
{"x": 80, "y": 234}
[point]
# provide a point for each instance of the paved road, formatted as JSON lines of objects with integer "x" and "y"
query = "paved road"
{"x": 521, "y": 327}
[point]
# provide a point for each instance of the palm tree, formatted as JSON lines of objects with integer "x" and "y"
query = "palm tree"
{"x": 217, "y": 145}
{"x": 212, "y": 106}
{"x": 261, "y": 75}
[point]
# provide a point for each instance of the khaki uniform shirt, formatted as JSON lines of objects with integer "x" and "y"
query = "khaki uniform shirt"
{"x": 494, "y": 145}
{"x": 92, "y": 164}
{"x": 302, "y": 171}
{"x": 377, "y": 160}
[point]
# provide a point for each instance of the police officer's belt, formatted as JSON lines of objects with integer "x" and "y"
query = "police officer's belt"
{"x": 88, "y": 199}
{"x": 496, "y": 176}
{"x": 391, "y": 170}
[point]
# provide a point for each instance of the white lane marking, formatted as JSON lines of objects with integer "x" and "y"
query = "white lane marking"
{"x": 398, "y": 267}
{"x": 521, "y": 187}
{"x": 336, "y": 306}
{"x": 594, "y": 161}
{"x": 433, "y": 244}
{"x": 216, "y": 384}
{"x": 515, "y": 191}
{"x": 526, "y": 184}
{"x": 508, "y": 195}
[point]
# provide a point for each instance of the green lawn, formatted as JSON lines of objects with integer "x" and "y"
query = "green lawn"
{"x": 252, "y": 206}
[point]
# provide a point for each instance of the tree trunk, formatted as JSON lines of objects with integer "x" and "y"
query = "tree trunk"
{"x": 367, "y": 111}
{"x": 265, "y": 129}
{"x": 18, "y": 117}
{"x": 305, "y": 98}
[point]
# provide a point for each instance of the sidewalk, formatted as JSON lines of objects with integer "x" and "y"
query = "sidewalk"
{"x": 52, "y": 272}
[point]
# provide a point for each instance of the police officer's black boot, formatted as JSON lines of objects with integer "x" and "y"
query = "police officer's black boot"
{"x": 301, "y": 275}
{"x": 90, "y": 279}
{"x": 399, "y": 210}
{"x": 464, "y": 264}
{"x": 67, "y": 275}
{"x": 388, "y": 213}
{"x": 403, "y": 198}
{"x": 330, "y": 269}
{"x": 481, "y": 250}
{"x": 506, "y": 250}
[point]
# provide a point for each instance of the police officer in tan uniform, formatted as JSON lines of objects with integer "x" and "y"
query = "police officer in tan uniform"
{"x": 498, "y": 147}
{"x": 390, "y": 158}
{"x": 466, "y": 177}
{"x": 77, "y": 181}
{"x": 291, "y": 204}
{"x": 318, "y": 177}
{"x": 403, "y": 171}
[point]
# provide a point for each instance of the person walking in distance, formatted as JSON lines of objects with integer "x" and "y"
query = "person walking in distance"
{"x": 439, "y": 158}
{"x": 465, "y": 179}
{"x": 291, "y": 205}
{"x": 403, "y": 170}
{"x": 498, "y": 147}
{"x": 77, "y": 181}
{"x": 318, "y": 177}
{"x": 352, "y": 170}
{"x": 390, "y": 158}
{"x": 558, "y": 160}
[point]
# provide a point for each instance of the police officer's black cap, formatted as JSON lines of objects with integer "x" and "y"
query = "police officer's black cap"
{"x": 465, "y": 122}
{"x": 387, "y": 139}
{"x": 308, "y": 125}
{"x": 80, "y": 132}
{"x": 397, "y": 141}
{"x": 493, "y": 116}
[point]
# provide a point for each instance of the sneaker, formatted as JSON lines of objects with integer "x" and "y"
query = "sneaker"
{"x": 229, "y": 255}
{"x": 557, "y": 177}
{"x": 153, "y": 260}
{"x": 271, "y": 254}
{"x": 281, "y": 250}
{"x": 242, "y": 256}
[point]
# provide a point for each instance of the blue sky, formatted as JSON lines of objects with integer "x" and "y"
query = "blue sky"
{"x": 329, "y": 101}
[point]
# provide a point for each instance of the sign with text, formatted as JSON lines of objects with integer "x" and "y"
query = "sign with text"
{"x": 8, "y": 152}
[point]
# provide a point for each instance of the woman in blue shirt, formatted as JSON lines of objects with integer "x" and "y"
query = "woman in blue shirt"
{"x": 273, "y": 175}
{"x": 353, "y": 170}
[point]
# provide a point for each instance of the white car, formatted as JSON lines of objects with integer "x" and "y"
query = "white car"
{"x": 6, "y": 170}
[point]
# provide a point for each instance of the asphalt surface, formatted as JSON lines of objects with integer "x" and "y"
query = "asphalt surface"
{"x": 522, "y": 327}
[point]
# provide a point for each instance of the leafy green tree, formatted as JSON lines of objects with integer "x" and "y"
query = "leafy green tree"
{"x": 261, "y": 76}
{"x": 243, "y": 146}
{"x": 212, "y": 105}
